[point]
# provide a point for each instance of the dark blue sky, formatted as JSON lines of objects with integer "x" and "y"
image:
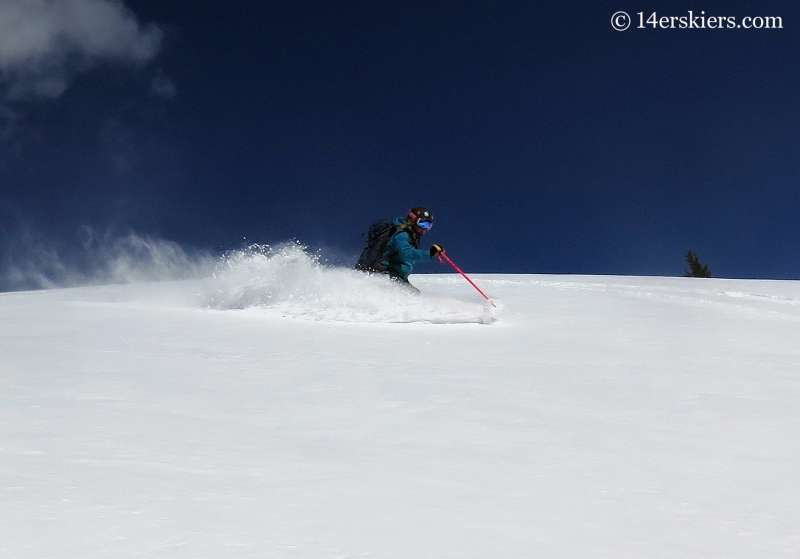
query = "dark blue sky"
{"x": 542, "y": 139}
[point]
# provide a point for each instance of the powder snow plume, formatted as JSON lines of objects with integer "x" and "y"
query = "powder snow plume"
{"x": 29, "y": 261}
{"x": 288, "y": 281}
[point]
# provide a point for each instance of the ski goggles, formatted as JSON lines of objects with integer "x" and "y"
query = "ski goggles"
{"x": 425, "y": 225}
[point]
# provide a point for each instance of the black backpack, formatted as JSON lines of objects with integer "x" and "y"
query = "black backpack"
{"x": 378, "y": 236}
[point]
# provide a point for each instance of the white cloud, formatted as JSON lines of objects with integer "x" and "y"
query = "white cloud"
{"x": 44, "y": 43}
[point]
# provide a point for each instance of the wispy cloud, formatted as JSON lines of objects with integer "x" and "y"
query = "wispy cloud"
{"x": 8, "y": 123}
{"x": 45, "y": 43}
{"x": 163, "y": 87}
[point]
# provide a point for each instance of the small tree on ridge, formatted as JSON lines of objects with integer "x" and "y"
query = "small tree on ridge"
{"x": 696, "y": 268}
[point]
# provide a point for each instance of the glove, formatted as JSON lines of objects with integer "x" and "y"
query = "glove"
{"x": 436, "y": 249}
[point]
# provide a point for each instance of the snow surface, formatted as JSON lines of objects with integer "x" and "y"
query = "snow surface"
{"x": 283, "y": 409}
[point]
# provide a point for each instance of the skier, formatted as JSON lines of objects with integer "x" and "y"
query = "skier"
{"x": 402, "y": 250}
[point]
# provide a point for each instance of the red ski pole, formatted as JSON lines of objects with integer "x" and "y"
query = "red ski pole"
{"x": 466, "y": 277}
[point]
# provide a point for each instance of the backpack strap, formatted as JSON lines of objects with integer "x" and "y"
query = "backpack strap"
{"x": 412, "y": 235}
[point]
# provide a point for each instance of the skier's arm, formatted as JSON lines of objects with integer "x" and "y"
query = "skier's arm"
{"x": 407, "y": 251}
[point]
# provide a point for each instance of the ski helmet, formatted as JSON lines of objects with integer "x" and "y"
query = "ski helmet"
{"x": 421, "y": 219}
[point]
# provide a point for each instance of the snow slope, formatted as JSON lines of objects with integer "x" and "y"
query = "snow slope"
{"x": 314, "y": 413}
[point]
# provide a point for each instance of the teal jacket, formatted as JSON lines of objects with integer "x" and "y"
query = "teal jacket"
{"x": 402, "y": 251}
